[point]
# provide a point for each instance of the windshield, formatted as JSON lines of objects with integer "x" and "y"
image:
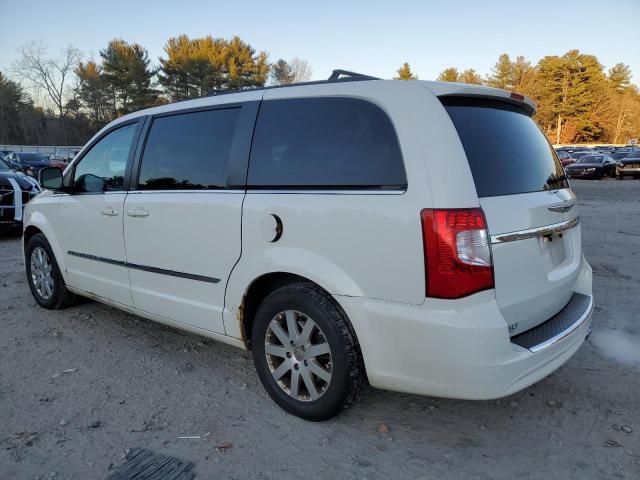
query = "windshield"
{"x": 34, "y": 158}
{"x": 3, "y": 166}
{"x": 591, "y": 159}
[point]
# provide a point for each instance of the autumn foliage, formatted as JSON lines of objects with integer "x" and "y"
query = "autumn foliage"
{"x": 578, "y": 101}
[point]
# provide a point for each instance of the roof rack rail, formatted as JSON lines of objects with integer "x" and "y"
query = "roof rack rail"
{"x": 336, "y": 76}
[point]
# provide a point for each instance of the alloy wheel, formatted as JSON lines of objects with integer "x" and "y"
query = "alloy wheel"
{"x": 41, "y": 269}
{"x": 298, "y": 355}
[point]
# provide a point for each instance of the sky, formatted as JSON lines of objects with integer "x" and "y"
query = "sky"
{"x": 372, "y": 37}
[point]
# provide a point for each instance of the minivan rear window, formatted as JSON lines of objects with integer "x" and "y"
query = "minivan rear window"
{"x": 507, "y": 152}
{"x": 325, "y": 143}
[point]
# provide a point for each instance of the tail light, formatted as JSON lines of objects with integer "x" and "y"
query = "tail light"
{"x": 457, "y": 255}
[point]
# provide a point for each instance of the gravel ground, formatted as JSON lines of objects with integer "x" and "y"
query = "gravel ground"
{"x": 133, "y": 383}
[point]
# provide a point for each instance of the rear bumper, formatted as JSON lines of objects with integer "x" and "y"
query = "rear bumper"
{"x": 456, "y": 349}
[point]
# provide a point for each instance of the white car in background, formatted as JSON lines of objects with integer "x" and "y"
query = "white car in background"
{"x": 421, "y": 235}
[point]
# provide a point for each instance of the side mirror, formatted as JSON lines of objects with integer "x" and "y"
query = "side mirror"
{"x": 50, "y": 178}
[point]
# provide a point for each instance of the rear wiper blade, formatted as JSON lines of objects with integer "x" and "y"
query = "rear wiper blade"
{"x": 552, "y": 180}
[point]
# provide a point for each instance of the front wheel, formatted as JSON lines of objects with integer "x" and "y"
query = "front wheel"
{"x": 43, "y": 274}
{"x": 306, "y": 352}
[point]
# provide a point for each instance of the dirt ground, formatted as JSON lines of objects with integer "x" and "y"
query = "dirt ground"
{"x": 134, "y": 383}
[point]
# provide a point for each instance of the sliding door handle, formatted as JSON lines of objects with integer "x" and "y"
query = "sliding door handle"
{"x": 138, "y": 212}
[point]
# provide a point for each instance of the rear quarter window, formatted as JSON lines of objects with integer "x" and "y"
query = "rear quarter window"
{"x": 326, "y": 142}
{"x": 507, "y": 152}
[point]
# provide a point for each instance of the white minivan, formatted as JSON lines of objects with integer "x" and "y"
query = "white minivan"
{"x": 420, "y": 236}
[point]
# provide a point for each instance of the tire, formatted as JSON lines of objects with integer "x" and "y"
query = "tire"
{"x": 296, "y": 304}
{"x": 54, "y": 295}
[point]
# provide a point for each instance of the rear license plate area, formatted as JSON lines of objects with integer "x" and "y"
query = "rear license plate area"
{"x": 554, "y": 247}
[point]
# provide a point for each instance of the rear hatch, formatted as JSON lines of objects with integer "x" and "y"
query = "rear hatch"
{"x": 529, "y": 207}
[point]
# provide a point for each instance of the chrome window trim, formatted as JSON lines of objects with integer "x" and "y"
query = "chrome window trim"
{"x": 209, "y": 191}
{"x": 535, "y": 232}
{"x": 293, "y": 191}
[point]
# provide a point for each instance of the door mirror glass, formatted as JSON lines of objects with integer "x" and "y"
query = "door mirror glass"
{"x": 50, "y": 178}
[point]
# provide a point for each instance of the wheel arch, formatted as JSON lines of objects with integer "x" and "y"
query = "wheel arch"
{"x": 38, "y": 224}
{"x": 29, "y": 232}
{"x": 259, "y": 289}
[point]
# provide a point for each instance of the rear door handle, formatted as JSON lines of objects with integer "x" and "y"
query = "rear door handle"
{"x": 138, "y": 212}
{"x": 109, "y": 212}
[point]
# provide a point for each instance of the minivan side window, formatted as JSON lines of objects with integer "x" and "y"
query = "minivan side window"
{"x": 103, "y": 167}
{"x": 188, "y": 151}
{"x": 325, "y": 142}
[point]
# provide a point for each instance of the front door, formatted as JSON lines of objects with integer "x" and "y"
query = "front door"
{"x": 90, "y": 220}
{"x": 182, "y": 220}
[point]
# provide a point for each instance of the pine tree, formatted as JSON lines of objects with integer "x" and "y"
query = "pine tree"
{"x": 620, "y": 77}
{"x": 450, "y": 74}
{"x": 573, "y": 89}
{"x": 127, "y": 72}
{"x": 192, "y": 67}
{"x": 93, "y": 93}
{"x": 281, "y": 73}
{"x": 404, "y": 73}
{"x": 502, "y": 76}
{"x": 13, "y": 101}
{"x": 195, "y": 67}
{"x": 521, "y": 75}
{"x": 470, "y": 76}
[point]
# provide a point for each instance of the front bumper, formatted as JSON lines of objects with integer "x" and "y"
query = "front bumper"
{"x": 585, "y": 175}
{"x": 628, "y": 171}
{"x": 9, "y": 225}
{"x": 455, "y": 349}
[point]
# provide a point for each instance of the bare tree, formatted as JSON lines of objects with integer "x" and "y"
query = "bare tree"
{"x": 48, "y": 75}
{"x": 300, "y": 70}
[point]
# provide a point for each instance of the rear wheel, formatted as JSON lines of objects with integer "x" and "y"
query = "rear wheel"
{"x": 306, "y": 353}
{"x": 44, "y": 277}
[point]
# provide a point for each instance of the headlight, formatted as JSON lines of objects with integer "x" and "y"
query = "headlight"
{"x": 591, "y": 170}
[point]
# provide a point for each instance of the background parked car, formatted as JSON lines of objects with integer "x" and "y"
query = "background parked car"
{"x": 12, "y": 205}
{"x": 565, "y": 157}
{"x": 62, "y": 156}
{"x": 30, "y": 163}
{"x": 4, "y": 155}
{"x": 620, "y": 155}
{"x": 579, "y": 154}
{"x": 592, "y": 166}
{"x": 630, "y": 165}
